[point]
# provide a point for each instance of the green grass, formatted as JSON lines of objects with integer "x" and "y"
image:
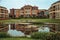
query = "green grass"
{"x": 16, "y": 39}
{"x": 32, "y": 20}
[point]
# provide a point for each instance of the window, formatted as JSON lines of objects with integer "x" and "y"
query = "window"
{"x": 1, "y": 16}
{"x": 27, "y": 8}
{"x": 27, "y": 11}
{"x": 27, "y": 15}
{"x": 2, "y": 11}
{"x": 34, "y": 8}
{"x": 58, "y": 7}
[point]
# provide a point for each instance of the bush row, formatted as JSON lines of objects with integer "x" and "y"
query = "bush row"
{"x": 46, "y": 36}
{"x": 4, "y": 35}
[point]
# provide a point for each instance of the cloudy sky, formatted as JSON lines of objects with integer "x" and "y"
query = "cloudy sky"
{"x": 42, "y": 4}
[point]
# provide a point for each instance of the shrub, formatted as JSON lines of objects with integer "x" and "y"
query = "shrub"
{"x": 46, "y": 36}
{"x": 39, "y": 35}
{"x": 4, "y": 35}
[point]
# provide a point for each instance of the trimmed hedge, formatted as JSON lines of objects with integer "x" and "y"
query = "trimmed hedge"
{"x": 4, "y": 35}
{"x": 46, "y": 36}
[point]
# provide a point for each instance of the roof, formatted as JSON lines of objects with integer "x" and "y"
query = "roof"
{"x": 56, "y": 2}
{"x": 35, "y": 6}
{"x": 2, "y": 7}
{"x": 27, "y": 6}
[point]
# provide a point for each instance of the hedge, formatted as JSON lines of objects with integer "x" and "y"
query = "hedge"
{"x": 46, "y": 36}
{"x": 4, "y": 35}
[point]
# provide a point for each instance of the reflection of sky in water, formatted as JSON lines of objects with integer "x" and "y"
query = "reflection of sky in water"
{"x": 19, "y": 33}
{"x": 44, "y": 29}
{"x": 15, "y": 32}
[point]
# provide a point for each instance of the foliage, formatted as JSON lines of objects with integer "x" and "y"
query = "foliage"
{"x": 16, "y": 39}
{"x": 39, "y": 35}
{"x": 46, "y": 36}
{"x": 4, "y": 35}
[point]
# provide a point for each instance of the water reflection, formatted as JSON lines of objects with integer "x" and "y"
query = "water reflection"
{"x": 23, "y": 29}
{"x": 14, "y": 32}
{"x": 44, "y": 29}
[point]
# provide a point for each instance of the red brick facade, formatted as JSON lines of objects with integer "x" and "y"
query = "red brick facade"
{"x": 26, "y": 11}
{"x": 3, "y": 13}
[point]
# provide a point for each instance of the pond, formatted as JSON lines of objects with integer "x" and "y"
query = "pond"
{"x": 24, "y": 29}
{"x": 15, "y": 32}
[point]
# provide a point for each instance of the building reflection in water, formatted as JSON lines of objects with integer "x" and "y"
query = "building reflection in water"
{"x": 23, "y": 29}
{"x": 14, "y": 32}
{"x": 44, "y": 29}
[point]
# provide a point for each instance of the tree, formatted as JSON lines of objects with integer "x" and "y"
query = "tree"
{"x": 41, "y": 14}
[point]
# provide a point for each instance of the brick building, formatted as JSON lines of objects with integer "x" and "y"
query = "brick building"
{"x": 25, "y": 11}
{"x": 14, "y": 13}
{"x": 43, "y": 13}
{"x": 3, "y": 13}
{"x": 54, "y": 10}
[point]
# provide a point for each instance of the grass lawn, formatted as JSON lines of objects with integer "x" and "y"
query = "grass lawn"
{"x": 31, "y": 20}
{"x": 16, "y": 39}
